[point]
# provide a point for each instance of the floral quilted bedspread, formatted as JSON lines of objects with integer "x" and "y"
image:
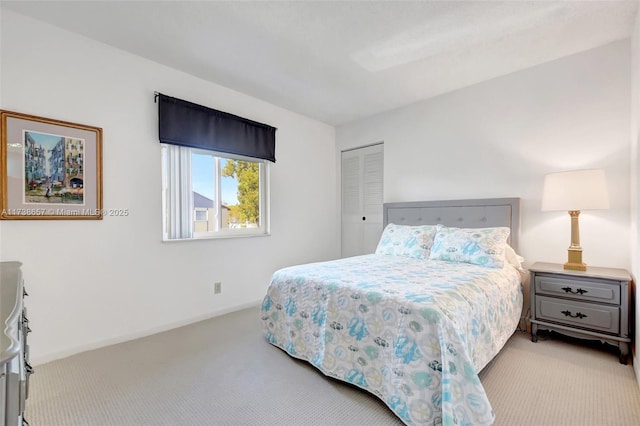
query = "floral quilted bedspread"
{"x": 415, "y": 333}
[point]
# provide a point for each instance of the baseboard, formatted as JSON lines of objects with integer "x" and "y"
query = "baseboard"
{"x": 97, "y": 344}
{"x": 636, "y": 369}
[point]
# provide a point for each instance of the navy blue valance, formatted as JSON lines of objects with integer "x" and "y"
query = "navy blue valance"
{"x": 188, "y": 124}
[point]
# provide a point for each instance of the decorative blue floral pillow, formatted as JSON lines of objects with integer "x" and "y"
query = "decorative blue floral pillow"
{"x": 480, "y": 246}
{"x": 406, "y": 241}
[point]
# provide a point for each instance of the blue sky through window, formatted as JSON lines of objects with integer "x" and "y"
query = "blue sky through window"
{"x": 203, "y": 179}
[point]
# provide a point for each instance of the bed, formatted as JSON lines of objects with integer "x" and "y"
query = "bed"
{"x": 415, "y": 322}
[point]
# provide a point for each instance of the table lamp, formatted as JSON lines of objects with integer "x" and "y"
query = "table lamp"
{"x": 575, "y": 191}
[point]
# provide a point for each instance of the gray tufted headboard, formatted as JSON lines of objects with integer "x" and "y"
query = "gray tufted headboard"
{"x": 479, "y": 213}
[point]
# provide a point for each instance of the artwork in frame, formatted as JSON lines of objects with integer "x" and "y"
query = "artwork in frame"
{"x": 50, "y": 169}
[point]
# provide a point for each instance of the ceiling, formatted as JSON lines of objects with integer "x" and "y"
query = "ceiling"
{"x": 340, "y": 61}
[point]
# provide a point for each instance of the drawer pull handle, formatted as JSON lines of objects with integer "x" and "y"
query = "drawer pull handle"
{"x": 578, "y": 315}
{"x": 578, "y": 291}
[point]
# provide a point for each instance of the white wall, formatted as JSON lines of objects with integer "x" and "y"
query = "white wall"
{"x": 96, "y": 282}
{"x": 634, "y": 235}
{"x": 499, "y": 138}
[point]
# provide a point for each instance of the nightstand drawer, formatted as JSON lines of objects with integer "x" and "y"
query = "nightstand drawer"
{"x": 593, "y": 290}
{"x": 586, "y": 315}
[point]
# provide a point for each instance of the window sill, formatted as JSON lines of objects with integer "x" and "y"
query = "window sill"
{"x": 215, "y": 237}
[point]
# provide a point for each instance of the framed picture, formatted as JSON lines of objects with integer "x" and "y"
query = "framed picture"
{"x": 49, "y": 169}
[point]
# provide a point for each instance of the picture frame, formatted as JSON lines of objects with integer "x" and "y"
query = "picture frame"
{"x": 49, "y": 169}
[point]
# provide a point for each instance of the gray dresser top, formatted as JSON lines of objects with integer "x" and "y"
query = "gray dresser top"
{"x": 591, "y": 272}
{"x": 10, "y": 309}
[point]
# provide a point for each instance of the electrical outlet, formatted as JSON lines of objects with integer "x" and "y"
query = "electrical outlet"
{"x": 217, "y": 288}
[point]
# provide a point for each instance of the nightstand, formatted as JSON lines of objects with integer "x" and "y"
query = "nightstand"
{"x": 591, "y": 304}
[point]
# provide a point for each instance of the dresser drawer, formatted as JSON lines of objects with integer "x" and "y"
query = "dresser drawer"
{"x": 591, "y": 290}
{"x": 585, "y": 315}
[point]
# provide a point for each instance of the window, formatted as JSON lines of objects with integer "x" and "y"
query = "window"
{"x": 215, "y": 171}
{"x": 207, "y": 194}
{"x": 201, "y": 214}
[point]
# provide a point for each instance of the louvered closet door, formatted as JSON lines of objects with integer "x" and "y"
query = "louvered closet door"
{"x": 362, "y": 183}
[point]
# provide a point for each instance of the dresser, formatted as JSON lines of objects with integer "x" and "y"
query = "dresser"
{"x": 14, "y": 351}
{"x": 591, "y": 304}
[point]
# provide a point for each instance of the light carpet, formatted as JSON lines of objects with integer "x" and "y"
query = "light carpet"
{"x": 222, "y": 372}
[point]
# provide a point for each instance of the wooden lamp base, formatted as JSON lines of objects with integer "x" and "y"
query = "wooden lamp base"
{"x": 575, "y": 251}
{"x": 575, "y": 262}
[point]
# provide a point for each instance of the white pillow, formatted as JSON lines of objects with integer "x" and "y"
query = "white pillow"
{"x": 512, "y": 257}
{"x": 406, "y": 241}
{"x": 480, "y": 246}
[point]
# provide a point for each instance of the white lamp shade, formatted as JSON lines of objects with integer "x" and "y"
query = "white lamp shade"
{"x": 575, "y": 190}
